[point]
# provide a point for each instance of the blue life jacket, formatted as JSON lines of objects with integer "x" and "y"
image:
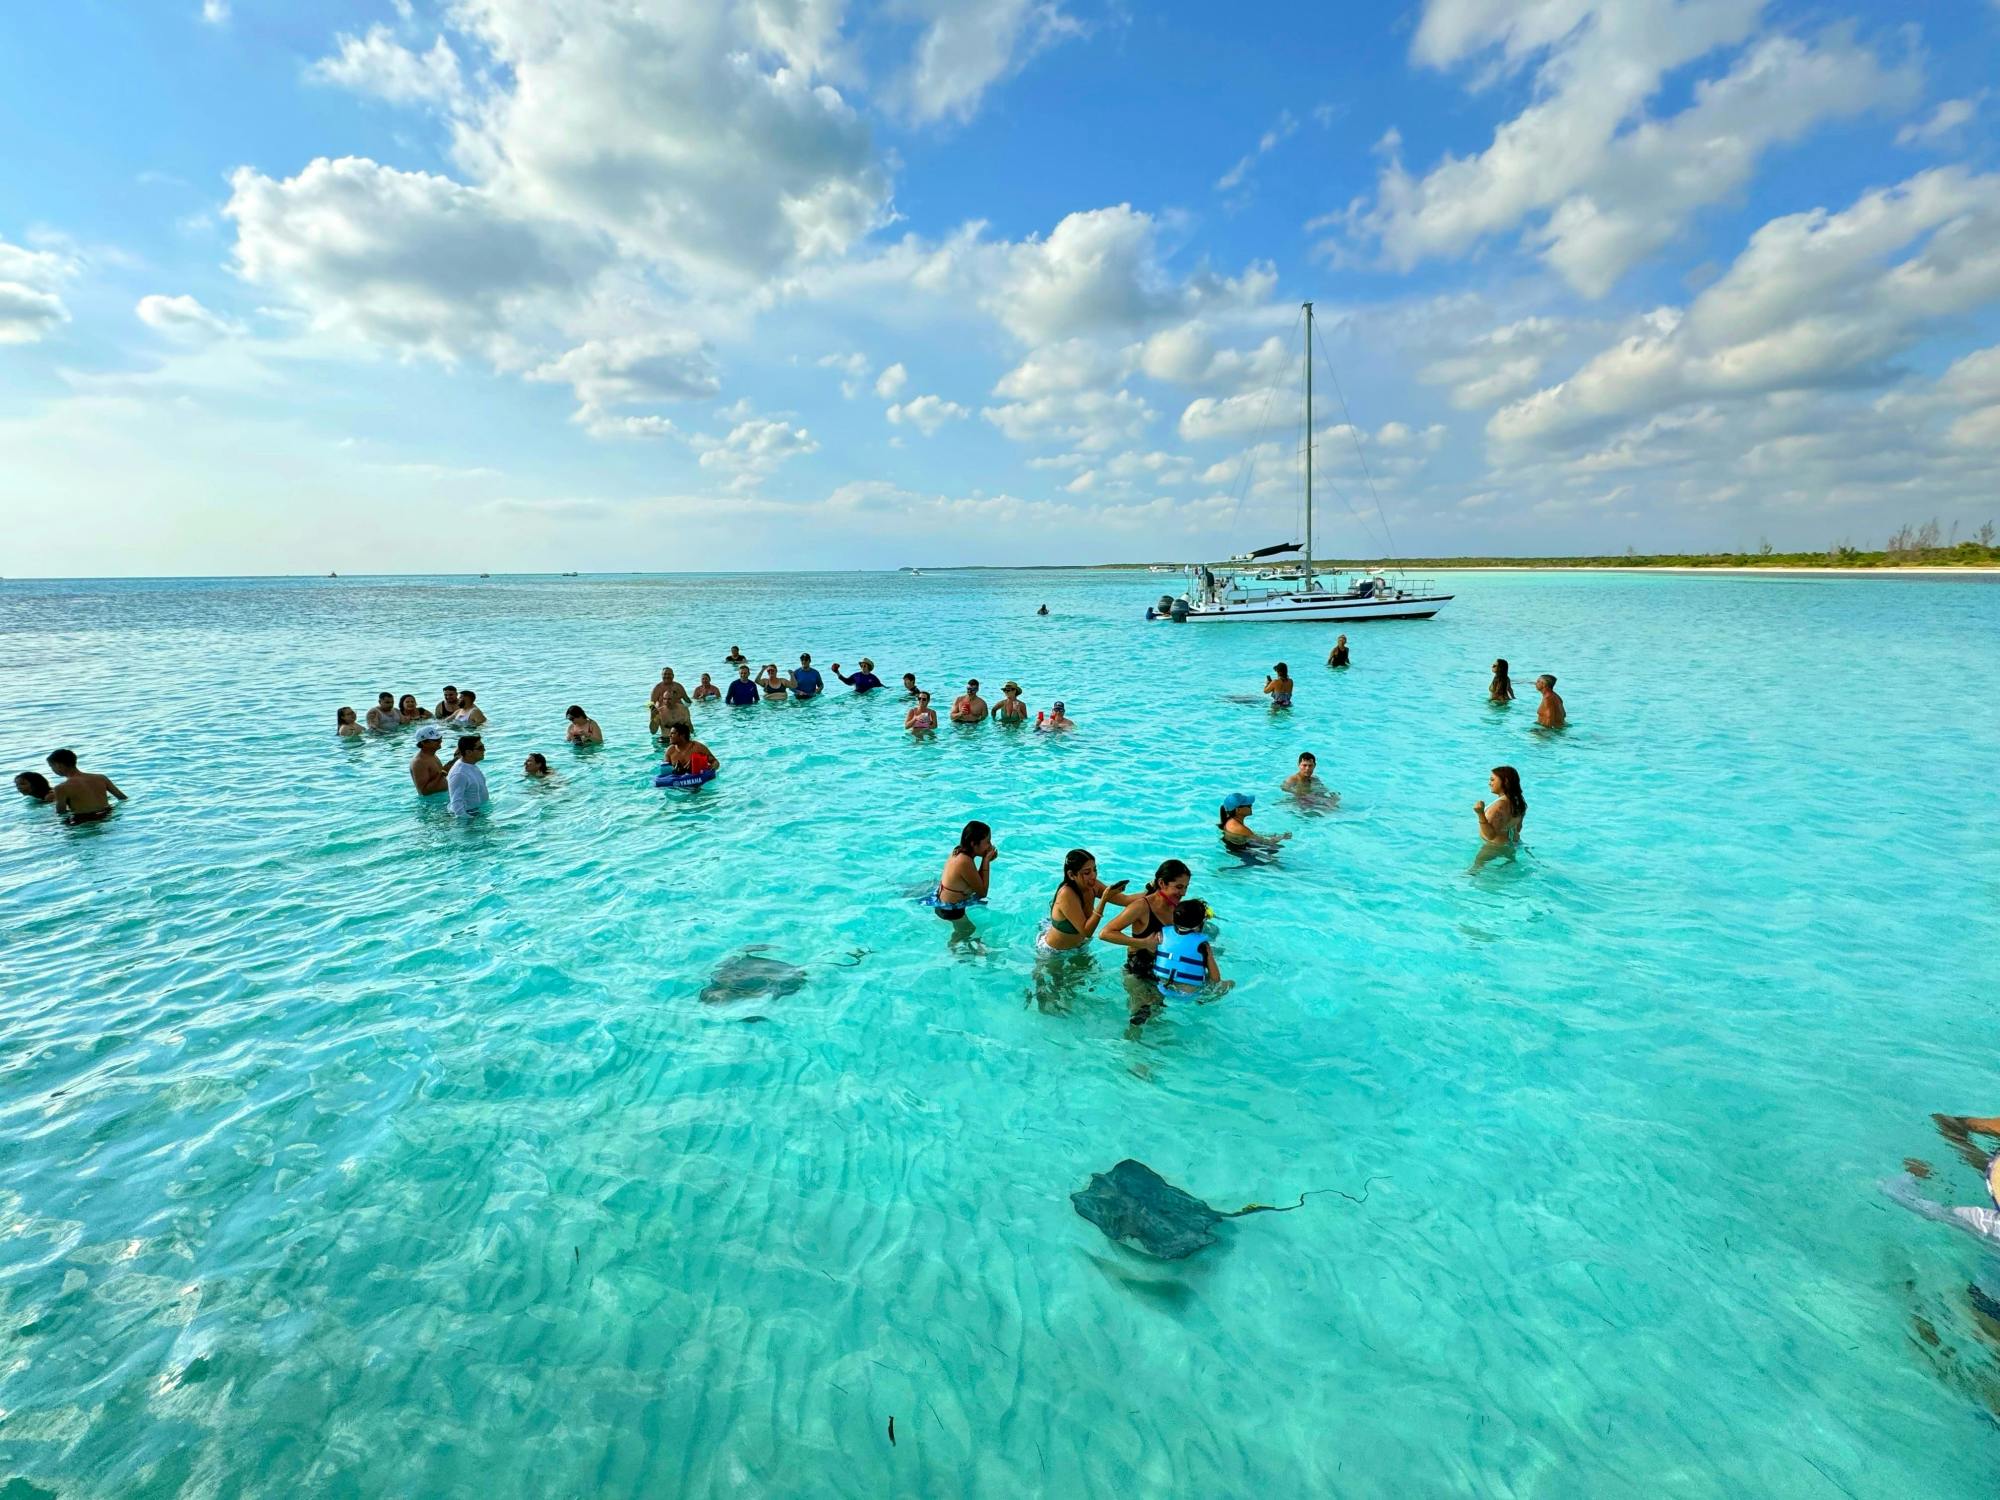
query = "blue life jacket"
{"x": 806, "y": 682}
{"x": 1181, "y": 962}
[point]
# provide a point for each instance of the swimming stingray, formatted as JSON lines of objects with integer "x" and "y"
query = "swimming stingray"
{"x": 748, "y": 977}
{"x": 1136, "y": 1206}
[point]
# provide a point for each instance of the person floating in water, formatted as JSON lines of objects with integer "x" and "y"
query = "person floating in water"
{"x": 583, "y": 730}
{"x": 1279, "y": 686}
{"x": 922, "y": 718}
{"x": 1500, "y": 819}
{"x": 1055, "y": 721}
{"x": 1550, "y": 715}
{"x": 1501, "y": 688}
{"x": 1010, "y": 707}
{"x": 969, "y": 707}
{"x": 742, "y": 691}
{"x": 669, "y": 704}
{"x": 383, "y": 716}
{"x": 1080, "y": 903}
{"x": 863, "y": 681}
{"x": 465, "y": 781}
{"x": 1235, "y": 825}
{"x": 35, "y": 786}
{"x": 1337, "y": 657}
{"x": 1185, "y": 959}
{"x": 736, "y": 658}
{"x": 345, "y": 724}
{"x": 1043, "y": 610}
{"x": 80, "y": 796}
{"x": 536, "y": 766}
{"x": 688, "y": 754}
{"x": 1983, "y": 1223}
{"x": 806, "y": 681}
{"x": 703, "y": 690}
{"x": 427, "y": 772}
{"x": 968, "y": 873}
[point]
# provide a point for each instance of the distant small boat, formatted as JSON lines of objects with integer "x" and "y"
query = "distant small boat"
{"x": 485, "y": 575}
{"x": 333, "y": 575}
{"x": 566, "y": 575}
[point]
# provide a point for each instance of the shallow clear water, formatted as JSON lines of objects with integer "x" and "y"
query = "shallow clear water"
{"x": 345, "y": 1149}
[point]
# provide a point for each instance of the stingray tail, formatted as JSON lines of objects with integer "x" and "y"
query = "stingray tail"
{"x": 1285, "y": 1208}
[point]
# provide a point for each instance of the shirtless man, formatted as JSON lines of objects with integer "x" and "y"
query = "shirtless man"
{"x": 1305, "y": 779}
{"x": 969, "y": 707}
{"x": 448, "y": 704}
{"x": 1010, "y": 705}
{"x": 1550, "y": 715}
{"x": 469, "y": 715}
{"x": 583, "y": 730}
{"x": 80, "y": 796}
{"x": 426, "y": 770}
{"x": 383, "y": 716}
{"x": 670, "y": 704}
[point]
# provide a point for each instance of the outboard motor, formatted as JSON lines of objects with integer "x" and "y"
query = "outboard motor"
{"x": 1166, "y": 604}
{"x": 1180, "y": 611}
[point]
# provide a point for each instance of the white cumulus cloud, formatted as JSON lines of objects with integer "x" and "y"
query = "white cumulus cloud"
{"x": 927, "y": 413}
{"x": 182, "y": 317}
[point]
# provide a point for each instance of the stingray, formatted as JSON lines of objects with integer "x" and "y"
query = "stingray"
{"x": 1137, "y": 1207}
{"x": 749, "y": 977}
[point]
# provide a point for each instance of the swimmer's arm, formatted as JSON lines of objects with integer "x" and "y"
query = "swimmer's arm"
{"x": 112, "y": 787}
{"x": 1214, "y": 969}
{"x": 1114, "y": 931}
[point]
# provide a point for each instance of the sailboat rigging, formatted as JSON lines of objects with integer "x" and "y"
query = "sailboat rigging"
{"x": 1295, "y": 590}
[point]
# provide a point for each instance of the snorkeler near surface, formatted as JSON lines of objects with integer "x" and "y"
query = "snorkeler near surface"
{"x": 1235, "y": 826}
{"x": 1080, "y": 903}
{"x": 1500, "y": 819}
{"x": 968, "y": 873}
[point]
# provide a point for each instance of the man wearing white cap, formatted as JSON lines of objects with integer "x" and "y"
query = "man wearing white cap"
{"x": 425, "y": 768}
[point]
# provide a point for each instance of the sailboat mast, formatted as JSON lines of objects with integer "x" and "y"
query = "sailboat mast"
{"x": 1309, "y": 445}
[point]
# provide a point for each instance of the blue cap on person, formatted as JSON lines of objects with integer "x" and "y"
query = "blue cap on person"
{"x": 1235, "y": 800}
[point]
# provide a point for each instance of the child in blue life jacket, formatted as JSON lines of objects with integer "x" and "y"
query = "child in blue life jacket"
{"x": 1185, "y": 961}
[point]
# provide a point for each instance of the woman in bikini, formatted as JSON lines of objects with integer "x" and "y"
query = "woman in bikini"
{"x": 1500, "y": 819}
{"x": 1137, "y": 930}
{"x": 968, "y": 870}
{"x": 1080, "y": 903}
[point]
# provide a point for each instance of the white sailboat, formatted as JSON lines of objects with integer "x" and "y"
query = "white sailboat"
{"x": 1296, "y": 590}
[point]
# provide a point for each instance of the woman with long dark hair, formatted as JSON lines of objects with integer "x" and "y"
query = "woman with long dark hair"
{"x": 1137, "y": 930}
{"x": 1501, "y": 689}
{"x": 1079, "y": 903}
{"x": 1500, "y": 819}
{"x": 968, "y": 871}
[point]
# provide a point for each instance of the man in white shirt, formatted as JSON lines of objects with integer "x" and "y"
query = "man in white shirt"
{"x": 465, "y": 781}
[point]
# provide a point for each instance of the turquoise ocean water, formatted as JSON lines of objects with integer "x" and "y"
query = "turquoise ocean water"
{"x": 348, "y": 1150}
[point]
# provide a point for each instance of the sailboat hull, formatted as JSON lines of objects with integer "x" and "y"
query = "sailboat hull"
{"x": 1308, "y": 608}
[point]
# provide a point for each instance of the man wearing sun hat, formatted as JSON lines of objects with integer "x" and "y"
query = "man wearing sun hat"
{"x": 864, "y": 681}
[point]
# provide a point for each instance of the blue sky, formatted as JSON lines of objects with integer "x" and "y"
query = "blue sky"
{"x": 551, "y": 284}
